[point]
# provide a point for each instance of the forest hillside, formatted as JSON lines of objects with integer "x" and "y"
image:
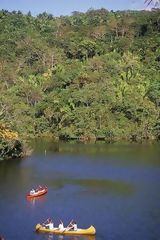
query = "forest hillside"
{"x": 93, "y": 75}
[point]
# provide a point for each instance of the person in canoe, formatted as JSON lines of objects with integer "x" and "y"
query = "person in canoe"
{"x": 49, "y": 224}
{"x": 39, "y": 188}
{"x": 72, "y": 226}
{"x": 61, "y": 226}
{"x": 32, "y": 192}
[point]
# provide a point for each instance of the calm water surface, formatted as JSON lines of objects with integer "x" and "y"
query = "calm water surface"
{"x": 114, "y": 187}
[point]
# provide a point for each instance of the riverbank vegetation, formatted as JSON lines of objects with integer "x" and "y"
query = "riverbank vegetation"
{"x": 10, "y": 145}
{"x": 93, "y": 75}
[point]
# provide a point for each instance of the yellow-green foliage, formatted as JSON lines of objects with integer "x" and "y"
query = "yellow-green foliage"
{"x": 7, "y": 133}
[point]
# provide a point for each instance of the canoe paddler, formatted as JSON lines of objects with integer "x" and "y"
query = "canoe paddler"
{"x": 39, "y": 188}
{"x": 49, "y": 224}
{"x": 72, "y": 226}
{"x": 32, "y": 192}
{"x": 61, "y": 226}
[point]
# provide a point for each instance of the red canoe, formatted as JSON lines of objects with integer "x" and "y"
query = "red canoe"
{"x": 38, "y": 192}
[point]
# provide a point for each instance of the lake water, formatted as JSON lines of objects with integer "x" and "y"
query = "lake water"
{"x": 115, "y": 187}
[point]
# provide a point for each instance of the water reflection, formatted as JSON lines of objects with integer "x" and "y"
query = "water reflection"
{"x": 132, "y": 151}
{"x": 63, "y": 237}
{"x": 7, "y": 168}
{"x": 34, "y": 200}
{"x": 103, "y": 185}
{"x": 95, "y": 185}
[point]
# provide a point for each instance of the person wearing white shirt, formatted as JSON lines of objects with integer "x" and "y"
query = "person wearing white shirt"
{"x": 72, "y": 226}
{"x": 61, "y": 226}
{"x": 50, "y": 224}
{"x": 32, "y": 192}
{"x": 75, "y": 226}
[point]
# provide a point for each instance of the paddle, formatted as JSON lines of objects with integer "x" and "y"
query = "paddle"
{"x": 70, "y": 223}
{"x": 45, "y": 221}
{"x": 67, "y": 228}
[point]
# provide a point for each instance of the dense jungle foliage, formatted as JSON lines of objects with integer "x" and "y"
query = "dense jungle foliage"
{"x": 93, "y": 75}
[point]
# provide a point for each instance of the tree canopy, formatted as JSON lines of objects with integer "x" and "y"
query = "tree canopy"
{"x": 89, "y": 75}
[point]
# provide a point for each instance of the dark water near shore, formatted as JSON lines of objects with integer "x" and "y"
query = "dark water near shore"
{"x": 114, "y": 187}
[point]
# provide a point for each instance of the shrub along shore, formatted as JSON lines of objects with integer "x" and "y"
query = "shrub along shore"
{"x": 11, "y": 147}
